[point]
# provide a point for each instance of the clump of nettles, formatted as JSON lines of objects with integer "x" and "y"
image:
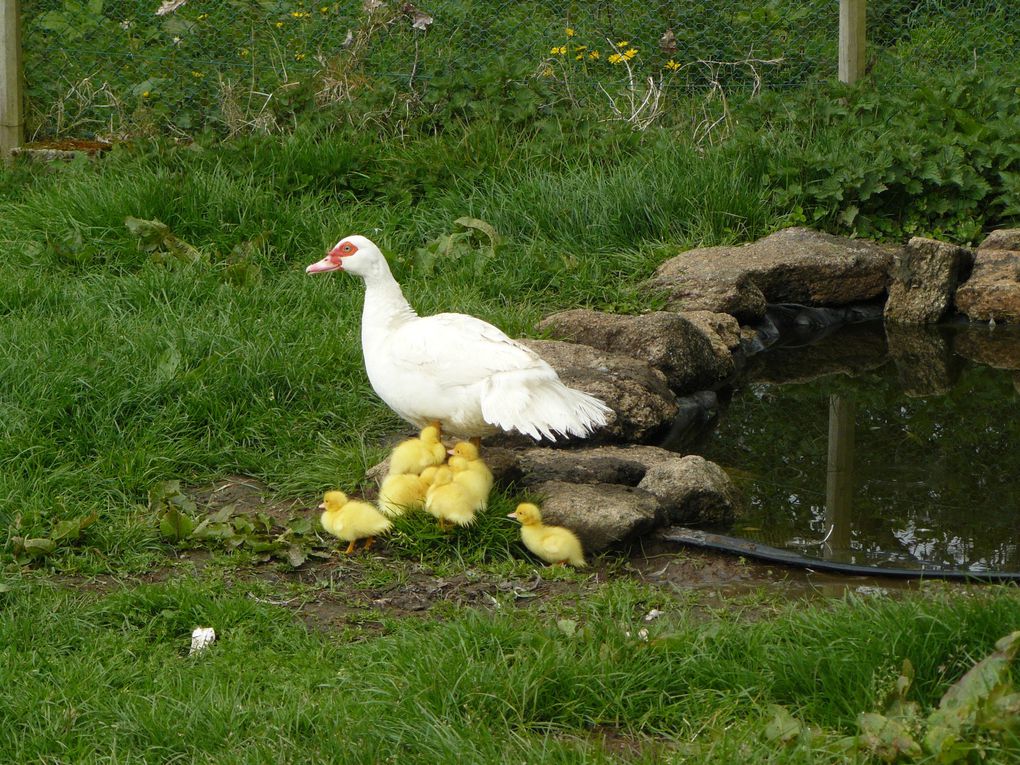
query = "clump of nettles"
{"x": 977, "y": 711}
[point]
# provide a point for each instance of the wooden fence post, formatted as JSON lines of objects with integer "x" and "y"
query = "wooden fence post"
{"x": 852, "y": 34}
{"x": 12, "y": 120}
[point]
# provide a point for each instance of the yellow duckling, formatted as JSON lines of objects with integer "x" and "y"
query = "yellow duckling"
{"x": 404, "y": 491}
{"x": 450, "y": 501}
{"x": 416, "y": 454}
{"x": 352, "y": 520}
{"x": 553, "y": 544}
{"x": 471, "y": 471}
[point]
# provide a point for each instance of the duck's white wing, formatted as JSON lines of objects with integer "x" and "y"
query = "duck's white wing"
{"x": 516, "y": 388}
{"x": 460, "y": 349}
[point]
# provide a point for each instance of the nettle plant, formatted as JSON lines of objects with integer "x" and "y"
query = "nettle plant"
{"x": 938, "y": 160}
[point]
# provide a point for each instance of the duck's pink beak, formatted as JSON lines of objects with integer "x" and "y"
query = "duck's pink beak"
{"x": 512, "y": 515}
{"x": 332, "y": 262}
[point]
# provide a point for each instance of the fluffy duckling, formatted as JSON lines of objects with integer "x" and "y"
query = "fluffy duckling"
{"x": 352, "y": 520}
{"x": 449, "y": 500}
{"x": 553, "y": 544}
{"x": 471, "y": 469}
{"x": 404, "y": 491}
{"x": 416, "y": 454}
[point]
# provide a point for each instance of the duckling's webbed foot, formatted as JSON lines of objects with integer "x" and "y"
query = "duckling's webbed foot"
{"x": 350, "y": 547}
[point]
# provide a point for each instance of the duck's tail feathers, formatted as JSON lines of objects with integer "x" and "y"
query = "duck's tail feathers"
{"x": 541, "y": 406}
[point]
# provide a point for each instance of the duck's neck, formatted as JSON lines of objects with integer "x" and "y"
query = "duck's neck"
{"x": 385, "y": 309}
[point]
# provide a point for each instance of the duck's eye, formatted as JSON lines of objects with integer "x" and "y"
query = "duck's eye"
{"x": 346, "y": 248}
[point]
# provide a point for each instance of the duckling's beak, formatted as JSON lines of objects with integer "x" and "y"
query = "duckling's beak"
{"x": 512, "y": 515}
{"x": 322, "y": 506}
{"x": 450, "y": 452}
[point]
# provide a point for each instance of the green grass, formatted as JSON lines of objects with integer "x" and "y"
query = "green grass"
{"x": 101, "y": 678}
{"x": 118, "y": 372}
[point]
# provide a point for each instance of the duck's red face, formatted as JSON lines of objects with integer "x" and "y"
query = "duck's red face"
{"x": 334, "y": 260}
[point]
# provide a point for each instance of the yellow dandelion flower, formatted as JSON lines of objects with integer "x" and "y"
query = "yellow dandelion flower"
{"x": 559, "y": 50}
{"x": 299, "y": 56}
{"x": 203, "y": 16}
{"x": 616, "y": 58}
{"x": 629, "y": 54}
{"x": 570, "y": 31}
{"x": 279, "y": 24}
{"x": 547, "y": 72}
{"x": 243, "y": 53}
{"x": 324, "y": 9}
{"x": 595, "y": 55}
{"x": 622, "y": 43}
{"x": 197, "y": 75}
{"x": 298, "y": 14}
{"x": 578, "y": 57}
{"x": 672, "y": 65}
{"x": 145, "y": 94}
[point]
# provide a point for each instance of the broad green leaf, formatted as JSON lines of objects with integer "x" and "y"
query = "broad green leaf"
{"x": 175, "y": 525}
{"x": 482, "y": 226}
{"x": 168, "y": 364}
{"x": 223, "y": 514}
{"x": 39, "y": 547}
{"x": 567, "y": 626}
{"x": 961, "y": 704}
{"x": 886, "y": 738}
{"x": 300, "y": 525}
{"x": 70, "y": 530}
{"x": 783, "y": 727}
{"x": 160, "y": 491}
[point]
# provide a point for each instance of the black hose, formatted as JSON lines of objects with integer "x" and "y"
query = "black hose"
{"x": 721, "y": 543}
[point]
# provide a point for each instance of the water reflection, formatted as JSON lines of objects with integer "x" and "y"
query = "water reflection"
{"x": 886, "y": 446}
{"x": 839, "y": 477}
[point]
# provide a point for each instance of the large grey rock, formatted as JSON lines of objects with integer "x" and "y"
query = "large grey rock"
{"x": 719, "y": 328}
{"x": 600, "y": 464}
{"x": 642, "y": 403}
{"x": 690, "y": 489}
{"x": 923, "y": 357}
{"x": 993, "y": 289}
{"x": 924, "y": 279}
{"x": 600, "y": 514}
{"x": 692, "y": 354}
{"x": 693, "y": 490}
{"x": 1002, "y": 239}
{"x": 795, "y": 265}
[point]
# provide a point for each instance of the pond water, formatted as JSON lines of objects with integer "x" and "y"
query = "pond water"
{"x": 880, "y": 446}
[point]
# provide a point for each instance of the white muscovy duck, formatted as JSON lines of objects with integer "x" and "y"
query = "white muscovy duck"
{"x": 454, "y": 369}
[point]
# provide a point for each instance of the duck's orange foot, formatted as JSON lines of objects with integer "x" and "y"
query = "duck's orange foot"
{"x": 350, "y": 547}
{"x": 368, "y": 543}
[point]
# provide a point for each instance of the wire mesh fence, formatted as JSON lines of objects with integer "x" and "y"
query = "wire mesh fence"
{"x": 118, "y": 67}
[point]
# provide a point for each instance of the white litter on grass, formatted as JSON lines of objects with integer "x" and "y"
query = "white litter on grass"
{"x": 653, "y": 615}
{"x": 201, "y": 638}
